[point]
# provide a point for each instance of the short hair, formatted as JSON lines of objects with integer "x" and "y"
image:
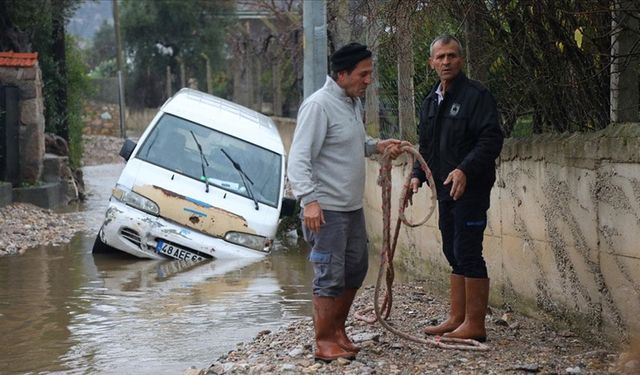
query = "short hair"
{"x": 347, "y": 57}
{"x": 446, "y": 39}
{"x": 334, "y": 74}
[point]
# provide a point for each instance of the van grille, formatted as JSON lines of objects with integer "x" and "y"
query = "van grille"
{"x": 131, "y": 236}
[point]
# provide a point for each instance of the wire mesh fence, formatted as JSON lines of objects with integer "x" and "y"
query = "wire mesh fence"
{"x": 553, "y": 66}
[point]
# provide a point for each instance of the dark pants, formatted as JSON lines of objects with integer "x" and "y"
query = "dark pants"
{"x": 462, "y": 225}
{"x": 338, "y": 252}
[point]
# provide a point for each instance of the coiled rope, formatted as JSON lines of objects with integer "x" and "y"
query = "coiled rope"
{"x": 389, "y": 246}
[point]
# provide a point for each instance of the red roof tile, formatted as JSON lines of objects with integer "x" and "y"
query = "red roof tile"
{"x": 18, "y": 59}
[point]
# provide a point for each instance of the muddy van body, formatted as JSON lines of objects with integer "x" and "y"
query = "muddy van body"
{"x": 204, "y": 181}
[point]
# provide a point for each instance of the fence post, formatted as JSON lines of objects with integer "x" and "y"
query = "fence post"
{"x": 123, "y": 128}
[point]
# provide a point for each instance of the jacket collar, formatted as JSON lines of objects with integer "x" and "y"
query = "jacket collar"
{"x": 333, "y": 87}
{"x": 454, "y": 87}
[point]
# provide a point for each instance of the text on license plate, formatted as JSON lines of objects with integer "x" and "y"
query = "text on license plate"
{"x": 176, "y": 252}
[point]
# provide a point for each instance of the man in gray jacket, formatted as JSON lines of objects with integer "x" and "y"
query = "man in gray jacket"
{"x": 326, "y": 170}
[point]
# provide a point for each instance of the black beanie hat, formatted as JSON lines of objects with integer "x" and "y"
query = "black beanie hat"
{"x": 349, "y": 56}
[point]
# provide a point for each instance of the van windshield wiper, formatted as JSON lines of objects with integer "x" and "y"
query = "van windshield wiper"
{"x": 243, "y": 176}
{"x": 203, "y": 161}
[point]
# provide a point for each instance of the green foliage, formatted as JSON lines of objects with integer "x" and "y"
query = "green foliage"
{"x": 103, "y": 48}
{"x": 221, "y": 84}
{"x": 429, "y": 23}
{"x": 105, "y": 69}
{"x": 523, "y": 127}
{"x": 24, "y": 184}
{"x": 546, "y": 62}
{"x": 164, "y": 33}
{"x": 38, "y": 18}
{"x": 35, "y": 18}
{"x": 78, "y": 87}
{"x": 549, "y": 62}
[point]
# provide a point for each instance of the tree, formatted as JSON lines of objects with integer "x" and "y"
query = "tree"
{"x": 39, "y": 25}
{"x": 549, "y": 63}
{"x": 160, "y": 33}
{"x": 103, "y": 46}
{"x": 267, "y": 30}
{"x": 11, "y": 37}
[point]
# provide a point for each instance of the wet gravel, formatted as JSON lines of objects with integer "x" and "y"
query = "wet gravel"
{"x": 517, "y": 344}
{"x": 24, "y": 226}
{"x": 101, "y": 149}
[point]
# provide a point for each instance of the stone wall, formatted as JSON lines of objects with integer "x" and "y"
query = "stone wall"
{"x": 103, "y": 118}
{"x": 29, "y": 82}
{"x": 563, "y": 232}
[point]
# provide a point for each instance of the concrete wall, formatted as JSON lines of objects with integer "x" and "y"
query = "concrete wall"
{"x": 563, "y": 233}
{"x": 286, "y": 127}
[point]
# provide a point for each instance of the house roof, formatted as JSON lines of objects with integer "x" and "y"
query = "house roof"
{"x": 18, "y": 59}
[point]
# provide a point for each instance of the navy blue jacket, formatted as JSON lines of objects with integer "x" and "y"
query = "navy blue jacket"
{"x": 462, "y": 132}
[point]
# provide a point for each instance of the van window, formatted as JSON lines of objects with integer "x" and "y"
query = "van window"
{"x": 171, "y": 145}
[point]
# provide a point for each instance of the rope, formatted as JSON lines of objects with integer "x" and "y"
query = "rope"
{"x": 388, "y": 251}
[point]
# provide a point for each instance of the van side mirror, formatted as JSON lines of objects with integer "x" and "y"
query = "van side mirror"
{"x": 127, "y": 149}
{"x": 288, "y": 207}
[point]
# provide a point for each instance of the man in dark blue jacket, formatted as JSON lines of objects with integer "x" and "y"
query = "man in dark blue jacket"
{"x": 460, "y": 138}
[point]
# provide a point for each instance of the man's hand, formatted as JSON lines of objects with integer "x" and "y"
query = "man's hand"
{"x": 414, "y": 184}
{"x": 459, "y": 180}
{"x": 313, "y": 216}
{"x": 395, "y": 151}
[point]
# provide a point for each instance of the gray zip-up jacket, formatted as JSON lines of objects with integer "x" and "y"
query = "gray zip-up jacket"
{"x": 327, "y": 156}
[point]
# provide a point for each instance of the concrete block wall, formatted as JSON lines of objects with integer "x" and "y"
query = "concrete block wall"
{"x": 286, "y": 127}
{"x": 563, "y": 233}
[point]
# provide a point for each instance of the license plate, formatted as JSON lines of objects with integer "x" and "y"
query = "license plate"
{"x": 176, "y": 252}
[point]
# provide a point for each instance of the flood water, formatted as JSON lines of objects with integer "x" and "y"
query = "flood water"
{"x": 64, "y": 310}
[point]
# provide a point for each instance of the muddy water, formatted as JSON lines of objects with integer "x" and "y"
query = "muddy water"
{"x": 65, "y": 310}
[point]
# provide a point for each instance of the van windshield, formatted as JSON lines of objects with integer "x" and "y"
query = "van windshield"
{"x": 172, "y": 146}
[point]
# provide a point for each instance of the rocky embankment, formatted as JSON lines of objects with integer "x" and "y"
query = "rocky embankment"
{"x": 517, "y": 345}
{"x": 24, "y": 226}
{"x": 101, "y": 149}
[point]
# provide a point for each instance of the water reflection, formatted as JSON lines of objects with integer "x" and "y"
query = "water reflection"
{"x": 69, "y": 311}
{"x": 65, "y": 310}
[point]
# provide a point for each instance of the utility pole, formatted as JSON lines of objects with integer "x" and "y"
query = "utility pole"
{"x": 314, "y": 22}
{"x": 116, "y": 27}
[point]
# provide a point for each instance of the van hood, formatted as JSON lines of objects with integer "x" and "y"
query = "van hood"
{"x": 193, "y": 213}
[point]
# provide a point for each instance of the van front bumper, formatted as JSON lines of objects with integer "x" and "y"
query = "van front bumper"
{"x": 135, "y": 232}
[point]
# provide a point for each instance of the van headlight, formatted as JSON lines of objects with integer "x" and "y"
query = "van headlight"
{"x": 135, "y": 200}
{"x": 251, "y": 241}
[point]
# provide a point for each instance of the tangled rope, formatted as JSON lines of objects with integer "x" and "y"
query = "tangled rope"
{"x": 389, "y": 246}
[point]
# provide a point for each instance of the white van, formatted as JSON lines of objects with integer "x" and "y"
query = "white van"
{"x": 204, "y": 181}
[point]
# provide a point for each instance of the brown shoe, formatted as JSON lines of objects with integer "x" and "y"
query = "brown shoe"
{"x": 473, "y": 327}
{"x": 343, "y": 305}
{"x": 457, "y": 309}
{"x": 325, "y": 316}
